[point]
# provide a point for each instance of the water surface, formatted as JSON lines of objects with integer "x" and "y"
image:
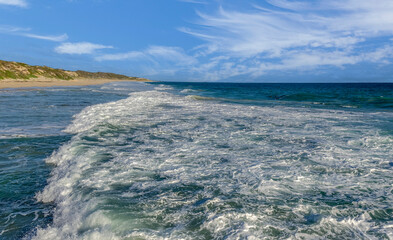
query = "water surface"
{"x": 198, "y": 161}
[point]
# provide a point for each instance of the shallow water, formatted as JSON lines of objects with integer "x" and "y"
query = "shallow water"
{"x": 204, "y": 161}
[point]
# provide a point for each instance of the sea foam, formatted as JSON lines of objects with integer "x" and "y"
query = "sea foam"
{"x": 162, "y": 166}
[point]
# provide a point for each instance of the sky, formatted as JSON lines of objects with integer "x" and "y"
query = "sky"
{"x": 205, "y": 40}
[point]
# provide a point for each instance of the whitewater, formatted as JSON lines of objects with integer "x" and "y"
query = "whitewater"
{"x": 200, "y": 161}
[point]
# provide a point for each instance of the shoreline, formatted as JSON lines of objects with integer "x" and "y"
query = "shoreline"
{"x": 50, "y": 82}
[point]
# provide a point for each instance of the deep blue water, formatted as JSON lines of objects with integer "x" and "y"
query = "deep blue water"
{"x": 197, "y": 161}
{"x": 329, "y": 95}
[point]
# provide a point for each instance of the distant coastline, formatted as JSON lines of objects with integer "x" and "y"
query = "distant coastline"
{"x": 19, "y": 75}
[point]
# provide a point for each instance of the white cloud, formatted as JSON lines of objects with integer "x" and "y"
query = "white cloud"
{"x": 293, "y": 35}
{"x": 380, "y": 55}
{"x": 12, "y": 29}
{"x": 173, "y": 54}
{"x": 296, "y": 60}
{"x": 26, "y": 32}
{"x": 120, "y": 56}
{"x": 79, "y": 48}
{"x": 356, "y": 16}
{"x": 154, "y": 54}
{"x": 54, "y": 38}
{"x": 270, "y": 32}
{"x": 18, "y": 3}
{"x": 155, "y": 60}
{"x": 194, "y": 1}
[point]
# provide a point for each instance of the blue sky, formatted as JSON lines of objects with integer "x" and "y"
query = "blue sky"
{"x": 201, "y": 40}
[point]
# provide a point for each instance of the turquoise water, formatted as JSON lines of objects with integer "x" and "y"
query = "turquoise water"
{"x": 197, "y": 161}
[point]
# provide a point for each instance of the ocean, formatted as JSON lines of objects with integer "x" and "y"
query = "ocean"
{"x": 197, "y": 161}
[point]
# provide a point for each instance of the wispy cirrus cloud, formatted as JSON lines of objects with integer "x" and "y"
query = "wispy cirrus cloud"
{"x": 293, "y": 35}
{"x": 80, "y": 48}
{"x": 279, "y": 35}
{"x": 26, "y": 32}
{"x": 194, "y": 1}
{"x": 359, "y": 17}
{"x": 155, "y": 60}
{"x": 174, "y": 55}
{"x": 17, "y": 3}
{"x": 53, "y": 38}
{"x": 269, "y": 32}
{"x": 120, "y": 56}
{"x": 12, "y": 29}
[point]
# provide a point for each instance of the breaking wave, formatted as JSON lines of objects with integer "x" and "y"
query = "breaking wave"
{"x": 162, "y": 166}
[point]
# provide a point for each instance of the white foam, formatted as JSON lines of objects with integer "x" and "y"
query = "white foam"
{"x": 148, "y": 165}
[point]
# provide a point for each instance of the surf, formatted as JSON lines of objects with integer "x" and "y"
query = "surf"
{"x": 160, "y": 165}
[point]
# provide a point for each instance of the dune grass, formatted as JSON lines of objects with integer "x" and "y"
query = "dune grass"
{"x": 17, "y": 70}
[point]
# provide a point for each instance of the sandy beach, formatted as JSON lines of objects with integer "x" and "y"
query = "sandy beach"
{"x": 49, "y": 82}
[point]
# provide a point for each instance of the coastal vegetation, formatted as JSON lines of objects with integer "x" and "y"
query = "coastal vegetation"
{"x": 17, "y": 70}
